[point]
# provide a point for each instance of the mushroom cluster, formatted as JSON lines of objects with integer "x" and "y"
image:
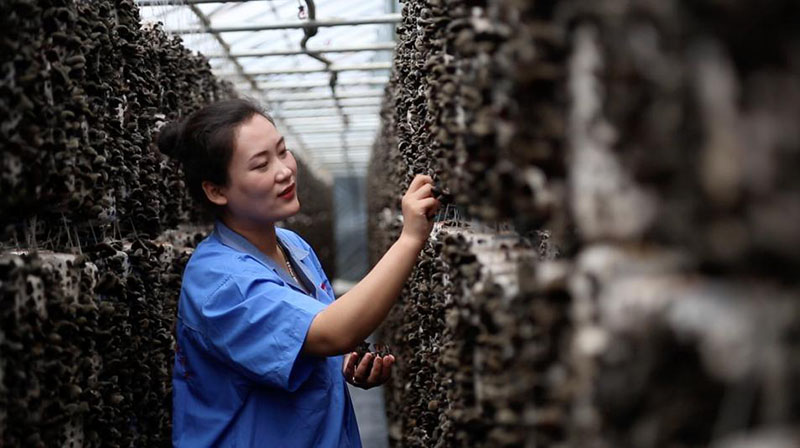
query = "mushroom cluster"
{"x": 87, "y": 345}
{"x": 96, "y": 225}
{"x": 616, "y": 262}
{"x": 85, "y": 89}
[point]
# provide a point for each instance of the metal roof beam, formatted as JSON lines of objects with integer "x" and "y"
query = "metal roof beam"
{"x": 314, "y": 120}
{"x": 343, "y": 171}
{"x": 361, "y": 145}
{"x": 314, "y": 96}
{"x": 181, "y": 2}
{"x": 323, "y": 136}
{"x": 355, "y": 150}
{"x": 340, "y": 167}
{"x": 376, "y": 20}
{"x": 328, "y": 102}
{"x": 318, "y": 129}
{"x": 325, "y": 111}
{"x": 343, "y": 166}
{"x": 328, "y": 136}
{"x": 356, "y": 147}
{"x": 325, "y": 153}
{"x": 310, "y": 127}
{"x": 304, "y": 84}
{"x": 371, "y": 117}
{"x": 380, "y": 46}
{"x": 328, "y": 112}
{"x": 317, "y": 145}
{"x": 338, "y": 126}
{"x": 337, "y": 132}
{"x": 354, "y": 158}
{"x": 350, "y": 139}
{"x": 325, "y": 123}
{"x": 361, "y": 160}
{"x": 364, "y": 118}
{"x": 368, "y": 66}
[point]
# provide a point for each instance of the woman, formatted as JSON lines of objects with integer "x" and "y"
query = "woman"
{"x": 260, "y": 338}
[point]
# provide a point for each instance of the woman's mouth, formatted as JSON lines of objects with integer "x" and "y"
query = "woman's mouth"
{"x": 287, "y": 193}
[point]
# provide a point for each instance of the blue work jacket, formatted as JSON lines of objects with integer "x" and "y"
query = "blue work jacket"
{"x": 240, "y": 379}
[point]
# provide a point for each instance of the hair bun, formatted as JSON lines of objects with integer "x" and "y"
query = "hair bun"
{"x": 170, "y": 140}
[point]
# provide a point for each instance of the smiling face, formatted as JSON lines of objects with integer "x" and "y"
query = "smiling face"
{"x": 262, "y": 187}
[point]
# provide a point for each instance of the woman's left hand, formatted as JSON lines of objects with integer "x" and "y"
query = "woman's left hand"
{"x": 360, "y": 376}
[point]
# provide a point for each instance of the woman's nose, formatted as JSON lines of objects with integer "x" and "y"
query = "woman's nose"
{"x": 283, "y": 172}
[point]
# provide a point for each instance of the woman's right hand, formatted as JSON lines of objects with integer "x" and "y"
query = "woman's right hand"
{"x": 419, "y": 208}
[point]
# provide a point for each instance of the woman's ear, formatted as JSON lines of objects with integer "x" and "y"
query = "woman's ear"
{"x": 214, "y": 193}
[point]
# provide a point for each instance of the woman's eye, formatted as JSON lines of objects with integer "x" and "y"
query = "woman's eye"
{"x": 283, "y": 153}
{"x": 259, "y": 166}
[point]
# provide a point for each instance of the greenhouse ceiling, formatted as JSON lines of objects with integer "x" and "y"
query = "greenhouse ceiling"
{"x": 324, "y": 90}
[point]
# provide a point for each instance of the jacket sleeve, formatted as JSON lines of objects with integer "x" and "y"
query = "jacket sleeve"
{"x": 258, "y": 327}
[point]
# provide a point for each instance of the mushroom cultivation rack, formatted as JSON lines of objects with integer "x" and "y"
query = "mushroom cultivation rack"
{"x": 96, "y": 223}
{"x": 615, "y": 267}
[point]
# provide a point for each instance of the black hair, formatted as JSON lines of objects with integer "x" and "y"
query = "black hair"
{"x": 203, "y": 143}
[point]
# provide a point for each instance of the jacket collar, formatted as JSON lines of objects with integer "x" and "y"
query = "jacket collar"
{"x": 231, "y": 238}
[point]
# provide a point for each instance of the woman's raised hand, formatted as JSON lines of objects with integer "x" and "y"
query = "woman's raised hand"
{"x": 419, "y": 207}
{"x": 356, "y": 314}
